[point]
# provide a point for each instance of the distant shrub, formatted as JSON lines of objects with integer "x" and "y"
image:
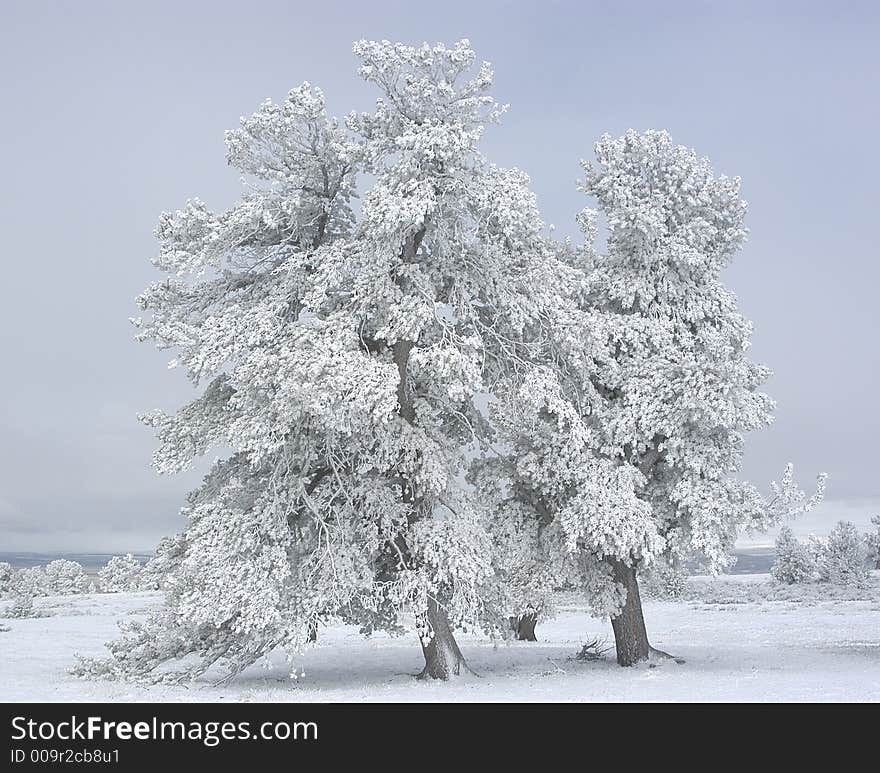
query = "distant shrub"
{"x": 662, "y": 581}
{"x": 795, "y": 562}
{"x": 64, "y": 578}
{"x": 121, "y": 574}
{"x": 842, "y": 558}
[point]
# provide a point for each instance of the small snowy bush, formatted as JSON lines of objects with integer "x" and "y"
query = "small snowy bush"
{"x": 121, "y": 574}
{"x": 64, "y": 578}
{"x": 664, "y": 582}
{"x": 842, "y": 558}
{"x": 795, "y": 562}
{"x": 23, "y": 606}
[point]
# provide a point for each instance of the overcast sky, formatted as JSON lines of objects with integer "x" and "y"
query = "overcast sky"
{"x": 113, "y": 112}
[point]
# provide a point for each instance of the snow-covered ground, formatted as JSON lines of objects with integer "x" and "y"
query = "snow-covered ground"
{"x": 744, "y": 638}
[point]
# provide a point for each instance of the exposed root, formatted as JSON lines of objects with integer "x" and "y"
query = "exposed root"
{"x": 655, "y": 654}
{"x": 461, "y": 668}
{"x": 472, "y": 672}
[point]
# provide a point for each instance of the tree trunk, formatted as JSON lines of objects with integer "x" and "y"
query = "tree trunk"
{"x": 524, "y": 626}
{"x": 443, "y": 658}
{"x": 313, "y": 630}
{"x": 630, "y": 635}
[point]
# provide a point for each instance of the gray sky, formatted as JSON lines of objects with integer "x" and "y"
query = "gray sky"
{"x": 114, "y": 111}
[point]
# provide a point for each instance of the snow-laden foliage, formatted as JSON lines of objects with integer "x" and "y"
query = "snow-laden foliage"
{"x": 341, "y": 358}
{"x": 64, "y": 578}
{"x": 795, "y": 562}
{"x": 121, "y": 574}
{"x": 531, "y": 557}
{"x": 7, "y": 574}
{"x": 872, "y": 541}
{"x": 31, "y": 581}
{"x": 841, "y": 558}
{"x": 628, "y": 430}
{"x": 155, "y": 573}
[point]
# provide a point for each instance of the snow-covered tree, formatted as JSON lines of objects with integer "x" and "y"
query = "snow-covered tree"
{"x": 342, "y": 360}
{"x": 795, "y": 562}
{"x": 531, "y": 559}
{"x": 842, "y": 558}
{"x": 630, "y": 434}
{"x": 121, "y": 574}
{"x": 7, "y": 573}
{"x": 872, "y": 540}
{"x": 64, "y": 578}
{"x": 60, "y": 577}
{"x": 31, "y": 581}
